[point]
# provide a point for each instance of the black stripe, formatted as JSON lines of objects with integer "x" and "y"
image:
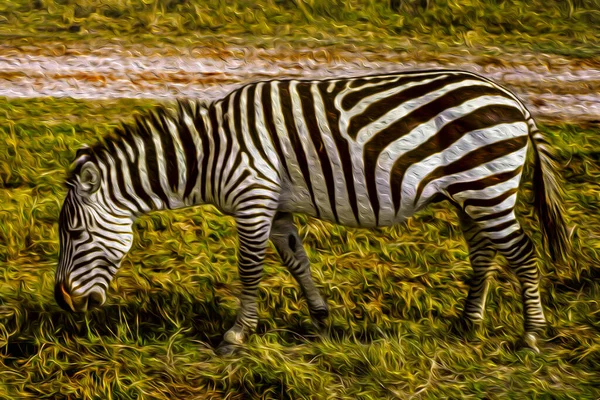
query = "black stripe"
{"x": 341, "y": 144}
{"x": 118, "y": 165}
{"x": 358, "y": 82}
{"x": 483, "y": 117}
{"x": 489, "y": 202}
{"x": 500, "y": 227}
{"x": 203, "y": 133}
{"x": 473, "y": 159}
{"x": 159, "y": 120}
{"x": 507, "y": 239}
{"x": 215, "y": 151}
{"x": 494, "y": 216}
{"x": 237, "y": 183}
{"x": 448, "y": 134}
{"x": 258, "y": 198}
{"x": 379, "y": 108}
{"x": 239, "y": 134}
{"x": 288, "y": 116}
{"x": 352, "y": 99}
{"x": 252, "y": 131}
{"x": 308, "y": 109}
{"x": 483, "y": 183}
{"x": 228, "y": 147}
{"x": 105, "y": 158}
{"x": 189, "y": 149}
{"x": 91, "y": 278}
{"x": 405, "y": 125}
{"x": 236, "y": 164}
{"x": 134, "y": 173}
{"x": 151, "y": 161}
{"x": 83, "y": 253}
{"x": 523, "y": 246}
{"x": 270, "y": 125}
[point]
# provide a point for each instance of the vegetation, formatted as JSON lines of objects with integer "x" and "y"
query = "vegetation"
{"x": 567, "y": 27}
{"x": 393, "y": 293}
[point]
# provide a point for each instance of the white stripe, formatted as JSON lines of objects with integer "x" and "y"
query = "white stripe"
{"x": 79, "y": 290}
{"x": 211, "y": 150}
{"x": 343, "y": 208}
{"x": 489, "y": 192}
{"x": 469, "y": 142}
{"x": 109, "y": 172}
{"x": 182, "y": 169}
{"x": 367, "y": 132}
{"x": 162, "y": 167}
{"x": 316, "y": 176}
{"x": 263, "y": 134}
{"x": 222, "y": 119}
{"x": 414, "y": 139}
{"x": 259, "y": 163}
{"x": 128, "y": 182}
{"x": 158, "y": 203}
{"x": 365, "y": 102}
{"x": 477, "y": 212}
{"x": 189, "y": 122}
{"x": 295, "y": 193}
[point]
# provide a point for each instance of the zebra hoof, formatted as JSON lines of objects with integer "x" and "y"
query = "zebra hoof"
{"x": 318, "y": 318}
{"x": 227, "y": 349}
{"x": 531, "y": 341}
{"x": 467, "y": 329}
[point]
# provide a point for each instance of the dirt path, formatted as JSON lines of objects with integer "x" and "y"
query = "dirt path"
{"x": 552, "y": 88}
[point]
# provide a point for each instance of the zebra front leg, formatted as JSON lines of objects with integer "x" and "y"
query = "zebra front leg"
{"x": 254, "y": 227}
{"x": 288, "y": 244}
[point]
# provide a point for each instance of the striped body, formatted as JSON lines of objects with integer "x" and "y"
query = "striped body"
{"x": 360, "y": 152}
{"x": 363, "y": 152}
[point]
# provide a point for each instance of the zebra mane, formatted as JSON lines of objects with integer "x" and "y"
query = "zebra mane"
{"x": 139, "y": 127}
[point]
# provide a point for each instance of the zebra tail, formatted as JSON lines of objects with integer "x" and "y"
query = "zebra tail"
{"x": 549, "y": 196}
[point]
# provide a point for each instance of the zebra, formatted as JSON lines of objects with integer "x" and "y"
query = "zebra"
{"x": 365, "y": 152}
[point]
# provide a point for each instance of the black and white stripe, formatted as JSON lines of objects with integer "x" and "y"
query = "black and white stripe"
{"x": 365, "y": 152}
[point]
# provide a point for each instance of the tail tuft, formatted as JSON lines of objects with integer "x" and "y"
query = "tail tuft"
{"x": 549, "y": 196}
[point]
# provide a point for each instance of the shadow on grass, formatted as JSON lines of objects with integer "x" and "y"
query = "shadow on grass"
{"x": 149, "y": 320}
{"x": 152, "y": 318}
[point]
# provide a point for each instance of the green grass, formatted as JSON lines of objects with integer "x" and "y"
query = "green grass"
{"x": 568, "y": 27}
{"x": 393, "y": 295}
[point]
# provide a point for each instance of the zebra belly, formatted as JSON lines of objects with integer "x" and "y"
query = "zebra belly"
{"x": 298, "y": 199}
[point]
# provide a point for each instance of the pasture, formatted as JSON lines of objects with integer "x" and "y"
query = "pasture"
{"x": 394, "y": 294}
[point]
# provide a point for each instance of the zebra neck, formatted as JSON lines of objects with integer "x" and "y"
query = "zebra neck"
{"x": 182, "y": 155}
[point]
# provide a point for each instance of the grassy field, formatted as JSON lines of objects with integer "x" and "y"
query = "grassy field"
{"x": 568, "y": 27}
{"x": 393, "y": 295}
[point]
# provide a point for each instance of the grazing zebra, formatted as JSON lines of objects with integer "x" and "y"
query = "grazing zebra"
{"x": 363, "y": 152}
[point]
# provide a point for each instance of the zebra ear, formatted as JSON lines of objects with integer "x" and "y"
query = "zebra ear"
{"x": 84, "y": 150}
{"x": 89, "y": 177}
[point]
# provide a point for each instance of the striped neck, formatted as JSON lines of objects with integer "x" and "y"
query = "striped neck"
{"x": 155, "y": 163}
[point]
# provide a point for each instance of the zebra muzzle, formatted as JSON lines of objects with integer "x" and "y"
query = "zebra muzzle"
{"x": 63, "y": 298}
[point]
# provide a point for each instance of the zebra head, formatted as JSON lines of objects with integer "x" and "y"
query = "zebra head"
{"x": 95, "y": 235}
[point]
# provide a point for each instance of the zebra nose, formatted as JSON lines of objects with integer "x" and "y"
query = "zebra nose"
{"x": 63, "y": 298}
{"x": 95, "y": 300}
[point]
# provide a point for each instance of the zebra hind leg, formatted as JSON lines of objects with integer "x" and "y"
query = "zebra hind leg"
{"x": 519, "y": 251}
{"x": 481, "y": 256}
{"x": 505, "y": 235}
{"x": 288, "y": 244}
